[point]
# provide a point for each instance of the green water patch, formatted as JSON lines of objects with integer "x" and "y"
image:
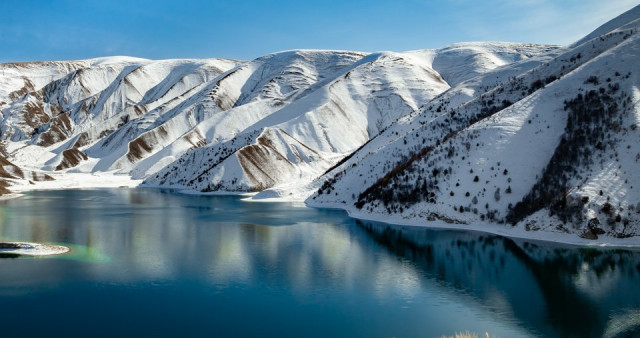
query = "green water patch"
{"x": 82, "y": 253}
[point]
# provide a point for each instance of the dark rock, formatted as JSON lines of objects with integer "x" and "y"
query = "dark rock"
{"x": 594, "y": 226}
{"x": 588, "y": 234}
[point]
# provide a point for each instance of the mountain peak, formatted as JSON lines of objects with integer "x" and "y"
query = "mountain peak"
{"x": 534, "y": 138}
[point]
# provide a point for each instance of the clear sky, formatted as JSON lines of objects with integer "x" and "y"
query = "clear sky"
{"x": 245, "y": 29}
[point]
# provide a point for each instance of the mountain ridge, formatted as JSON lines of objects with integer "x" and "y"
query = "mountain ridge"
{"x": 528, "y": 137}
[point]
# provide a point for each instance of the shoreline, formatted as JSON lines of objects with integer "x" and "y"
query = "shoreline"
{"x": 31, "y": 249}
{"x": 65, "y": 181}
{"x": 541, "y": 236}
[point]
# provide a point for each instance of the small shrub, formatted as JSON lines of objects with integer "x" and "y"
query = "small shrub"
{"x": 592, "y": 80}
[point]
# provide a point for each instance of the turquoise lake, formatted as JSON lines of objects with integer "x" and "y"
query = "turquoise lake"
{"x": 148, "y": 262}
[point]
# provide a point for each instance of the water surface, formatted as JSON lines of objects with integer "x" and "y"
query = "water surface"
{"x": 154, "y": 263}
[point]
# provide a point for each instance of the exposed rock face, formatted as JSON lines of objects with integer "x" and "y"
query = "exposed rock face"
{"x": 532, "y": 136}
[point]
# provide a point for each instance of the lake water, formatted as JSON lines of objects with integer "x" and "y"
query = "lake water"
{"x": 154, "y": 263}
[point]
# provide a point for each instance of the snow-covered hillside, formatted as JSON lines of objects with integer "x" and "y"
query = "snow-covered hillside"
{"x": 300, "y": 140}
{"x": 496, "y": 134}
{"x": 552, "y": 148}
{"x": 280, "y": 120}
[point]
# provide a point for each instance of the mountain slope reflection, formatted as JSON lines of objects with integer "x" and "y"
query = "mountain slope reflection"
{"x": 222, "y": 262}
{"x": 556, "y": 291}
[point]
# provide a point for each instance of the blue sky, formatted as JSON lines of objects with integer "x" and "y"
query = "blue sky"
{"x": 62, "y": 30}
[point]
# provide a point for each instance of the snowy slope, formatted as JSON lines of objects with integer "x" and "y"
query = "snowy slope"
{"x": 137, "y": 116}
{"x": 310, "y": 108}
{"x": 523, "y": 136}
{"x": 553, "y": 148}
{"x": 464, "y": 61}
{"x": 62, "y": 119}
{"x": 299, "y": 141}
{"x": 302, "y": 138}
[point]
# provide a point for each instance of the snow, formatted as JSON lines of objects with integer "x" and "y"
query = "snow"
{"x": 79, "y": 181}
{"x": 521, "y": 138}
{"x": 109, "y": 60}
{"x": 463, "y": 61}
{"x": 506, "y": 231}
{"x": 323, "y": 126}
{"x": 611, "y": 25}
{"x": 33, "y": 249}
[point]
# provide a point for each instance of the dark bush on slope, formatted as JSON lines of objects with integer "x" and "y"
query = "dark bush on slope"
{"x": 588, "y": 133}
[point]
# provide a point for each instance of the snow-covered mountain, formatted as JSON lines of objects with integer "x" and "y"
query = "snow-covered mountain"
{"x": 282, "y": 119}
{"x": 550, "y": 146}
{"x": 543, "y": 137}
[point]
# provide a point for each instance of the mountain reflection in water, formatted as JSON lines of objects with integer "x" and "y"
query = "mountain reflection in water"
{"x": 222, "y": 262}
{"x": 552, "y": 290}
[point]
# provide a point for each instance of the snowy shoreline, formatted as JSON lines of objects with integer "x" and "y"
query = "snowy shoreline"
{"x": 111, "y": 180}
{"x": 557, "y": 238}
{"x": 64, "y": 181}
{"x": 31, "y": 249}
